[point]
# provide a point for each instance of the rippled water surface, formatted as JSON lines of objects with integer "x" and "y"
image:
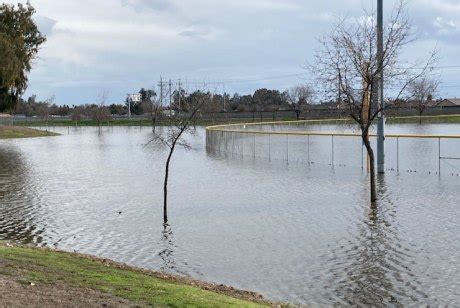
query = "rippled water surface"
{"x": 291, "y": 231}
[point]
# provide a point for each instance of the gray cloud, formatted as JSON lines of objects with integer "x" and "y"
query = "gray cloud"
{"x": 45, "y": 24}
{"x": 193, "y": 33}
{"x": 140, "y": 5}
{"x": 127, "y": 44}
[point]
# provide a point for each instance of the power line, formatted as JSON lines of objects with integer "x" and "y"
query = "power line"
{"x": 285, "y": 76}
{"x": 248, "y": 80}
{"x": 433, "y": 67}
{"x": 447, "y": 66}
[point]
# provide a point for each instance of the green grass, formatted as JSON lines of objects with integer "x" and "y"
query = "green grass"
{"x": 51, "y": 267}
{"x": 425, "y": 119}
{"x": 11, "y": 132}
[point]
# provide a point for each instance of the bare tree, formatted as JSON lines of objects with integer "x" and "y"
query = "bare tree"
{"x": 299, "y": 97}
{"x": 153, "y": 107}
{"x": 172, "y": 136}
{"x": 76, "y": 114}
{"x": 44, "y": 110}
{"x": 100, "y": 112}
{"x": 273, "y": 109}
{"x": 151, "y": 104}
{"x": 421, "y": 91}
{"x": 155, "y": 112}
{"x": 213, "y": 106}
{"x": 348, "y": 62}
{"x": 254, "y": 108}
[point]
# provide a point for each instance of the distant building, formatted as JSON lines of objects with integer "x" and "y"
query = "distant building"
{"x": 415, "y": 104}
{"x": 169, "y": 112}
{"x": 5, "y": 116}
{"x": 134, "y": 98}
{"x": 450, "y": 102}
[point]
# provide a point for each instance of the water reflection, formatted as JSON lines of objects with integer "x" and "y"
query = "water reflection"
{"x": 168, "y": 248}
{"x": 376, "y": 268}
{"x": 17, "y": 216}
{"x": 169, "y": 261}
{"x": 293, "y": 232}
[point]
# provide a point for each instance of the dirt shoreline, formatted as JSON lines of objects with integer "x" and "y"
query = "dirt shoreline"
{"x": 218, "y": 288}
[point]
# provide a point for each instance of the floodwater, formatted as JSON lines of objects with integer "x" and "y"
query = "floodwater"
{"x": 293, "y": 231}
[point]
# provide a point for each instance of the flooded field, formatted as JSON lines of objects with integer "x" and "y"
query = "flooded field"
{"x": 297, "y": 232}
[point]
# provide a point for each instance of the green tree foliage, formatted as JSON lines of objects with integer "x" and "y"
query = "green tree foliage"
{"x": 20, "y": 41}
{"x": 118, "y": 109}
{"x": 266, "y": 97}
{"x": 146, "y": 98}
{"x": 9, "y": 70}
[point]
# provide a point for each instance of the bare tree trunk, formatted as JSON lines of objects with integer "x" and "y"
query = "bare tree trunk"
{"x": 370, "y": 152}
{"x": 154, "y": 123}
{"x": 153, "y": 118}
{"x": 165, "y": 186}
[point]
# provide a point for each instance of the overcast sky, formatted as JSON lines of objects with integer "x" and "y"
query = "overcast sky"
{"x": 118, "y": 46}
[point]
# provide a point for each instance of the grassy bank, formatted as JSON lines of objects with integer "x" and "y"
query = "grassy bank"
{"x": 35, "y": 268}
{"x": 10, "y": 132}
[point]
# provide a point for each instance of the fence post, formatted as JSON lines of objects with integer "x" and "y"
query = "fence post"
{"x": 439, "y": 156}
{"x": 397, "y": 154}
{"x": 287, "y": 148}
{"x": 220, "y": 145}
{"x": 242, "y": 145}
{"x": 308, "y": 149}
{"x": 233, "y": 143}
{"x": 269, "y": 147}
{"x": 332, "y": 150}
{"x": 254, "y": 146}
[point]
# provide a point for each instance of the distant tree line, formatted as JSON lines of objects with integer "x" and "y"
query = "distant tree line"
{"x": 295, "y": 98}
{"x": 298, "y": 99}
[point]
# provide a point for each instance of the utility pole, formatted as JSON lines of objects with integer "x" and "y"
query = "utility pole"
{"x": 380, "y": 98}
{"x": 223, "y": 88}
{"x": 161, "y": 85}
{"x": 170, "y": 97}
{"x": 179, "y": 85}
{"x": 129, "y": 106}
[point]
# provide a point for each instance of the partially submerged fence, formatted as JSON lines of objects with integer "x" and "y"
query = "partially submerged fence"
{"x": 295, "y": 141}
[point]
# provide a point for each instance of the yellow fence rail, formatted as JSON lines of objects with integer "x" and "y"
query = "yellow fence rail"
{"x": 248, "y": 129}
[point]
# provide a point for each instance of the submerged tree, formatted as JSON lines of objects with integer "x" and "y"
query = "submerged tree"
{"x": 76, "y": 114}
{"x": 100, "y": 112}
{"x": 422, "y": 92}
{"x": 152, "y": 104}
{"x": 299, "y": 97}
{"x": 181, "y": 123}
{"x": 156, "y": 109}
{"x": 348, "y": 63}
{"x": 20, "y": 41}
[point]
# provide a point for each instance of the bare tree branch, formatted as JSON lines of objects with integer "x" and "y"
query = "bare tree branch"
{"x": 348, "y": 63}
